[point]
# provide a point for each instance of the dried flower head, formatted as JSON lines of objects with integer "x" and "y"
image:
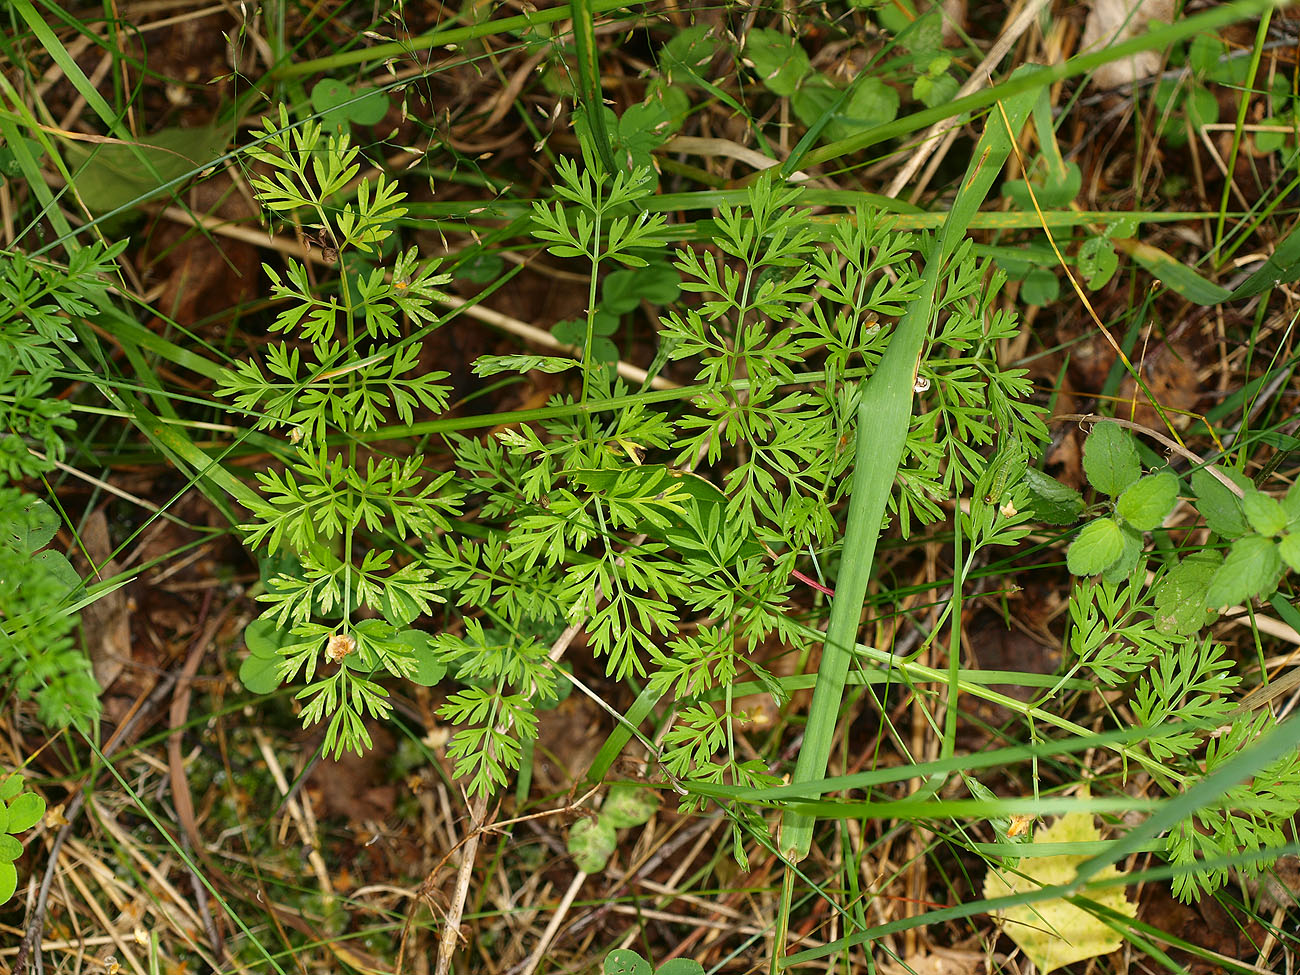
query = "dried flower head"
{"x": 339, "y": 646}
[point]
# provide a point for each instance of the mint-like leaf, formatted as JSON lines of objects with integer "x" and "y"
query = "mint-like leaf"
{"x": 1265, "y": 514}
{"x": 1110, "y": 459}
{"x": 1052, "y": 502}
{"x": 1180, "y": 596}
{"x": 1098, "y": 546}
{"x": 1129, "y": 555}
{"x": 779, "y": 60}
{"x": 1289, "y": 549}
{"x": 1146, "y": 503}
{"x": 628, "y": 805}
{"x": 591, "y": 843}
{"x": 1252, "y": 567}
{"x": 1219, "y": 506}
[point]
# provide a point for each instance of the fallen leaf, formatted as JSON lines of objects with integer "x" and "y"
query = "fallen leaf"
{"x": 1055, "y": 933}
{"x": 1112, "y": 21}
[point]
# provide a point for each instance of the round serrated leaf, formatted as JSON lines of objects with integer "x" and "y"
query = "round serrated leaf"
{"x": 591, "y": 843}
{"x": 8, "y": 881}
{"x": 1040, "y": 287}
{"x": 25, "y": 812}
{"x": 10, "y": 848}
{"x": 1179, "y": 597}
{"x": 680, "y": 966}
{"x": 625, "y": 961}
{"x": 1052, "y": 502}
{"x": 10, "y": 787}
{"x": 1099, "y": 544}
{"x": 1252, "y": 567}
{"x": 1266, "y": 515}
{"x": 1110, "y": 459}
{"x": 1128, "y": 558}
{"x": 1147, "y": 502}
{"x": 628, "y": 805}
{"x": 261, "y": 675}
{"x": 264, "y": 638}
{"x": 429, "y": 668}
{"x": 1218, "y": 505}
{"x": 779, "y": 60}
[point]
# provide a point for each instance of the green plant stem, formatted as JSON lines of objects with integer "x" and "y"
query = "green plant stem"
{"x": 439, "y": 37}
{"x": 884, "y": 413}
{"x": 1261, "y": 35}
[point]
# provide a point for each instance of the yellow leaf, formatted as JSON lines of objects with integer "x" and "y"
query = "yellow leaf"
{"x": 1054, "y": 933}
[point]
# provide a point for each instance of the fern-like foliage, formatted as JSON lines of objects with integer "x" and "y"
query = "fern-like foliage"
{"x": 346, "y": 521}
{"x": 1181, "y": 698}
{"x": 39, "y": 303}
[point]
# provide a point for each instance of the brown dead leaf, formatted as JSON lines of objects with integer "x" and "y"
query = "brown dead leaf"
{"x": 105, "y": 623}
{"x": 354, "y": 786}
{"x": 1112, "y": 21}
{"x": 940, "y": 961}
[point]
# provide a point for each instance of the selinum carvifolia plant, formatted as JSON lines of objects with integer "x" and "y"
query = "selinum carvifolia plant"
{"x": 601, "y": 514}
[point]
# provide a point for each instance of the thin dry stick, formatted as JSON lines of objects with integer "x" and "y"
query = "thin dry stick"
{"x": 548, "y": 935}
{"x": 979, "y": 77}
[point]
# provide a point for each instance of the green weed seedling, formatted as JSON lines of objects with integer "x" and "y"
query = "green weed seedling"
{"x": 19, "y": 811}
{"x": 1262, "y": 533}
{"x": 624, "y": 961}
{"x": 1150, "y": 638}
{"x": 592, "y": 841}
{"x": 591, "y": 515}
